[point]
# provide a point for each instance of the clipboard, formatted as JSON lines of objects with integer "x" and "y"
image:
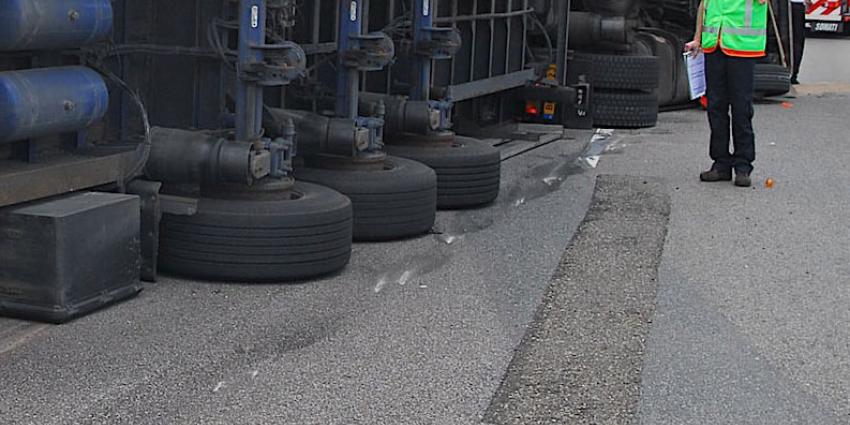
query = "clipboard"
{"x": 696, "y": 74}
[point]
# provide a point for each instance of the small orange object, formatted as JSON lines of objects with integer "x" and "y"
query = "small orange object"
{"x": 552, "y": 72}
{"x": 787, "y": 105}
{"x": 768, "y": 183}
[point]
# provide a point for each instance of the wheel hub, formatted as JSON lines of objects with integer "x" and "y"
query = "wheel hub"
{"x": 443, "y": 139}
{"x": 266, "y": 189}
{"x": 371, "y": 161}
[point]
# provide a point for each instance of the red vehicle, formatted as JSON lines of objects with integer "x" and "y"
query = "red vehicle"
{"x": 829, "y": 16}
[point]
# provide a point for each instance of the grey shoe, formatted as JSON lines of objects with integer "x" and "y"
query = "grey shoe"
{"x": 742, "y": 179}
{"x": 714, "y": 175}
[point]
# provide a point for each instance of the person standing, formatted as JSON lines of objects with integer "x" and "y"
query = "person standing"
{"x": 733, "y": 35}
{"x": 798, "y": 22}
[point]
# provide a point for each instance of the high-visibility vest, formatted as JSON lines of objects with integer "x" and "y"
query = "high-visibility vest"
{"x": 737, "y": 27}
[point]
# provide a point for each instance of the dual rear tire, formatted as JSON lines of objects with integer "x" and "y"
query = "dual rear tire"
{"x": 624, "y": 87}
{"x": 303, "y": 234}
{"x": 308, "y": 231}
{"x": 397, "y": 201}
{"x": 468, "y": 171}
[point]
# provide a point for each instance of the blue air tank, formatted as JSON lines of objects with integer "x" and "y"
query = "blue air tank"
{"x": 46, "y": 101}
{"x": 53, "y": 24}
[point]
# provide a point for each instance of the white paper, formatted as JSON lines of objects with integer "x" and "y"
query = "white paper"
{"x": 696, "y": 74}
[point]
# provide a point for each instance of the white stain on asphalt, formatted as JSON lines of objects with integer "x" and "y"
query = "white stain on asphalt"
{"x": 405, "y": 277}
{"x": 381, "y": 283}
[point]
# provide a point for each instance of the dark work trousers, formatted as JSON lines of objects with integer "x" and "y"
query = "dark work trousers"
{"x": 729, "y": 85}
{"x": 798, "y": 20}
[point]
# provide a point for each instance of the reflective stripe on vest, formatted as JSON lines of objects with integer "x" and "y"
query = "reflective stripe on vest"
{"x": 738, "y": 27}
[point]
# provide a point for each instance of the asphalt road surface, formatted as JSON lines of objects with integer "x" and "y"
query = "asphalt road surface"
{"x": 677, "y": 302}
{"x": 418, "y": 331}
{"x": 826, "y": 60}
{"x": 751, "y": 323}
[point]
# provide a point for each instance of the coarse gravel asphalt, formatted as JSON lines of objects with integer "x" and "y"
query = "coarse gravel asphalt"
{"x": 581, "y": 359}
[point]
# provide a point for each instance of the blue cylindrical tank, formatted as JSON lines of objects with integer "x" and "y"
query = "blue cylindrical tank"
{"x": 46, "y": 101}
{"x": 53, "y": 24}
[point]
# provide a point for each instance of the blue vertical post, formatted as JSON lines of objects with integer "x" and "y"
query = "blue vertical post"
{"x": 249, "y": 95}
{"x": 422, "y": 20}
{"x": 348, "y": 78}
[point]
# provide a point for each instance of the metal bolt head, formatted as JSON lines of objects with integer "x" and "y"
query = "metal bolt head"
{"x": 73, "y": 15}
{"x": 361, "y": 138}
{"x": 261, "y": 164}
{"x": 68, "y": 105}
{"x": 434, "y": 117}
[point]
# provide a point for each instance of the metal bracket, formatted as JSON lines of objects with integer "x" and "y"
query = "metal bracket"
{"x": 282, "y": 150}
{"x": 372, "y": 130}
{"x": 282, "y": 63}
{"x": 441, "y": 110}
{"x": 178, "y": 205}
{"x": 438, "y": 43}
{"x": 151, "y": 214}
{"x": 369, "y": 52}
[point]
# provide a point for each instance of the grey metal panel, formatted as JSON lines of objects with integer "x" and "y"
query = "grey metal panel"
{"x": 23, "y": 182}
{"x": 479, "y": 88}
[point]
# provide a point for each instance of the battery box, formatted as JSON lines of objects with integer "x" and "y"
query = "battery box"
{"x": 67, "y": 256}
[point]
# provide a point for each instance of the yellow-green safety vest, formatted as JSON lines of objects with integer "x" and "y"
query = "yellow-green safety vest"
{"x": 737, "y": 27}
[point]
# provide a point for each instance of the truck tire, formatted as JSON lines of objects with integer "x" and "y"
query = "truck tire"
{"x": 243, "y": 240}
{"x": 468, "y": 172}
{"x": 772, "y": 79}
{"x": 624, "y": 109}
{"x": 669, "y": 61}
{"x": 626, "y": 72}
{"x": 396, "y": 202}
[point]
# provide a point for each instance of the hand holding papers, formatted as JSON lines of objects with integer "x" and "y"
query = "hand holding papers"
{"x": 695, "y": 64}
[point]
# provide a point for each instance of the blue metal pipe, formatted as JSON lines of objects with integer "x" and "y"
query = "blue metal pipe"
{"x": 422, "y": 20}
{"x": 249, "y": 95}
{"x": 348, "y": 79}
{"x": 47, "y": 101}
{"x": 52, "y": 24}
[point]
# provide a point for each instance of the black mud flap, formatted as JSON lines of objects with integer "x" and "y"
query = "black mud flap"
{"x": 151, "y": 208}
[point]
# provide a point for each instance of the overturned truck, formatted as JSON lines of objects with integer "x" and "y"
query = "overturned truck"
{"x": 256, "y": 140}
{"x": 240, "y": 140}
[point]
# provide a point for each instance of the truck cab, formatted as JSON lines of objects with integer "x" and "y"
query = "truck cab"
{"x": 829, "y": 16}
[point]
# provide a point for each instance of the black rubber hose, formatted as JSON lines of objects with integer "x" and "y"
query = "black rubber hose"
{"x": 134, "y": 95}
{"x": 548, "y": 39}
